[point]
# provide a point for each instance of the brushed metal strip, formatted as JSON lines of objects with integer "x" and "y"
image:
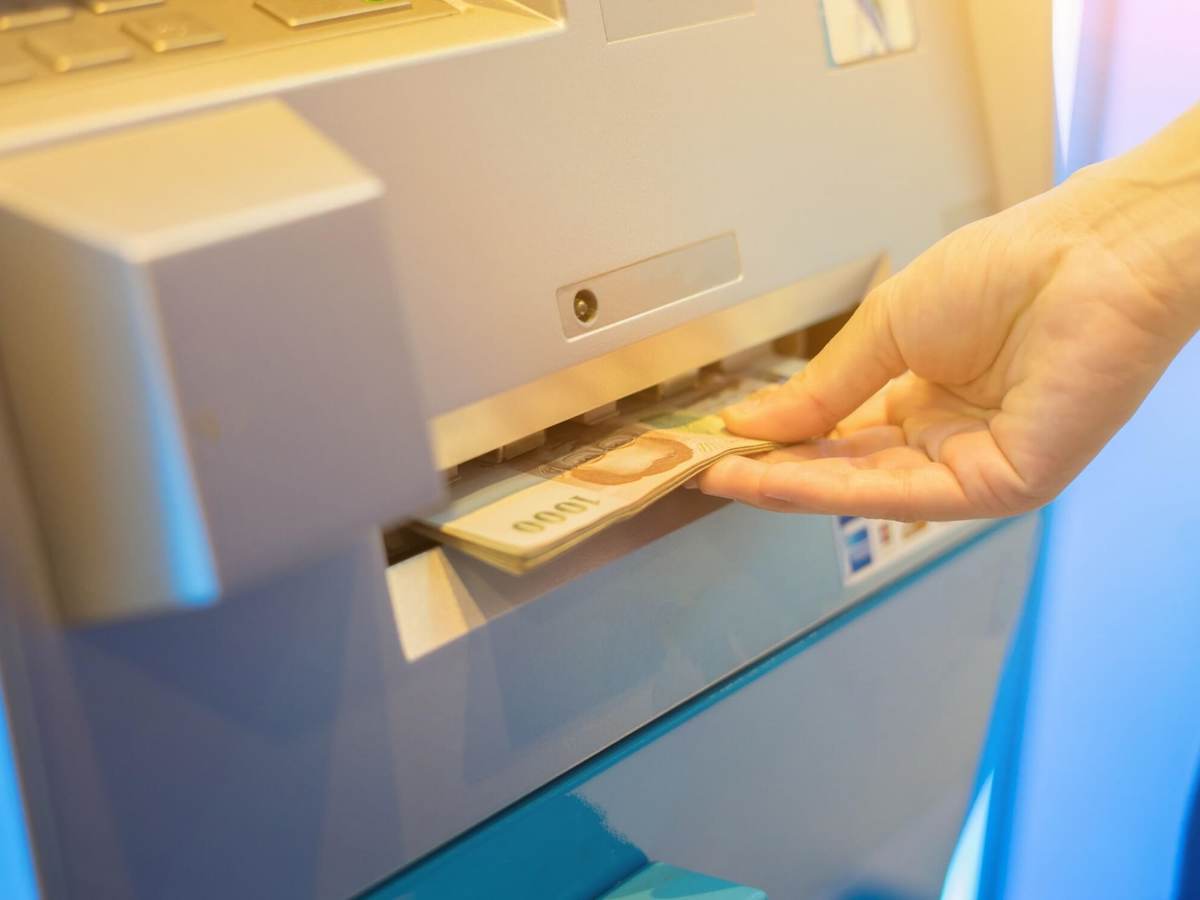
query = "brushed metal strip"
{"x": 648, "y": 285}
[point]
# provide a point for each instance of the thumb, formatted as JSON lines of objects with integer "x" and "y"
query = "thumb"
{"x": 860, "y": 359}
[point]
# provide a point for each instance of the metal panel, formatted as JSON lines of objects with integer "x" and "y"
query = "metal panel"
{"x": 177, "y": 743}
{"x": 538, "y": 163}
{"x": 643, "y": 287}
{"x": 840, "y": 766}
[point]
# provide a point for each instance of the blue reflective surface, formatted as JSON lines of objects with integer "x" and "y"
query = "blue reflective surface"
{"x": 1113, "y": 727}
{"x": 964, "y": 874}
{"x": 659, "y": 881}
{"x": 193, "y": 570}
{"x": 1189, "y": 869}
{"x": 557, "y": 846}
{"x": 1095, "y": 740}
{"x": 17, "y": 878}
{"x": 979, "y": 865}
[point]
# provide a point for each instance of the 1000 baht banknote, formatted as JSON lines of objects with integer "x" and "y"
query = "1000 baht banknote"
{"x": 521, "y": 513}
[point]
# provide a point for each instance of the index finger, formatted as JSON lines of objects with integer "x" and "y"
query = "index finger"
{"x": 860, "y": 359}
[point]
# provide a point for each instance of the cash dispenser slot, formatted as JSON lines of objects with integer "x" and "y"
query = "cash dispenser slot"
{"x": 403, "y": 542}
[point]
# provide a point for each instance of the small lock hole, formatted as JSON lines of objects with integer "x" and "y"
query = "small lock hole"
{"x": 586, "y": 306}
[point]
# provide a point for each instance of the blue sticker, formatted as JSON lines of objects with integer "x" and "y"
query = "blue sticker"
{"x": 858, "y": 550}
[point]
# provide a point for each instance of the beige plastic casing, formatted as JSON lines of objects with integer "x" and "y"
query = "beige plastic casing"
{"x": 514, "y": 151}
{"x": 518, "y": 150}
{"x": 552, "y": 155}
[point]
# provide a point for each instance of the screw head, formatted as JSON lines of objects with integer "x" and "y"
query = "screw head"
{"x": 586, "y": 306}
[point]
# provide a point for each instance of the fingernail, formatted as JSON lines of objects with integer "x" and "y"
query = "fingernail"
{"x": 692, "y": 484}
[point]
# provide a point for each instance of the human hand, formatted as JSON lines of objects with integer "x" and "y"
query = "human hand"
{"x": 982, "y": 378}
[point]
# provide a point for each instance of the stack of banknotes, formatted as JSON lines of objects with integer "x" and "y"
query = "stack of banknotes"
{"x": 517, "y": 515}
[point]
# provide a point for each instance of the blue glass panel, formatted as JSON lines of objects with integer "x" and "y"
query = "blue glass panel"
{"x": 17, "y": 877}
{"x": 660, "y": 881}
{"x": 554, "y": 846}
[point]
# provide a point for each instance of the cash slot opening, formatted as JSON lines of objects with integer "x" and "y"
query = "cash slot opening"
{"x": 402, "y": 542}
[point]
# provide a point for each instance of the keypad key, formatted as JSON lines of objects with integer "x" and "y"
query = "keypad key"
{"x": 25, "y": 13}
{"x": 107, "y": 6}
{"x": 166, "y": 31}
{"x": 297, "y": 13}
{"x": 77, "y": 47}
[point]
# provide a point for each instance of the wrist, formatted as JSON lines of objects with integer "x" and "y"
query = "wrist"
{"x": 1145, "y": 215}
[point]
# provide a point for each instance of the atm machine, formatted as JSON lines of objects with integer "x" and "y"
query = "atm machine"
{"x": 270, "y": 270}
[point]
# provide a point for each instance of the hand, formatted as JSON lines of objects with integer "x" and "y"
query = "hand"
{"x": 982, "y": 378}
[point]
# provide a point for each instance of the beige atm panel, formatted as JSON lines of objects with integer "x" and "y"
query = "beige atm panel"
{"x": 263, "y": 261}
{"x": 271, "y": 269}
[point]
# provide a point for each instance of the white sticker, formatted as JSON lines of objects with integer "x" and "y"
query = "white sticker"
{"x": 865, "y": 29}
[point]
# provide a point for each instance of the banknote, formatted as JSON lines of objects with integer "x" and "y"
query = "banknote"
{"x": 519, "y": 514}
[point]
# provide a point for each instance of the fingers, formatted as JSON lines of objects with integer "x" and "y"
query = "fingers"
{"x": 738, "y": 478}
{"x": 893, "y": 482}
{"x": 873, "y": 487}
{"x": 858, "y": 443}
{"x": 874, "y": 473}
{"x": 860, "y": 360}
{"x": 873, "y": 413}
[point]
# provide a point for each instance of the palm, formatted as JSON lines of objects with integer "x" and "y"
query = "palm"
{"x": 1008, "y": 364}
